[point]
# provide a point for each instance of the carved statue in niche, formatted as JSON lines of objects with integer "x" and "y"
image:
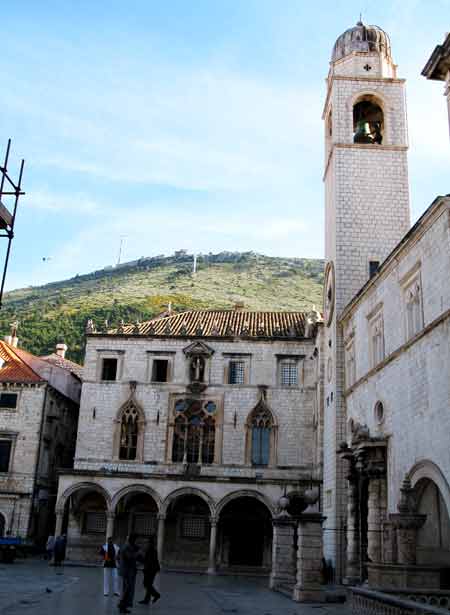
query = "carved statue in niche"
{"x": 197, "y": 368}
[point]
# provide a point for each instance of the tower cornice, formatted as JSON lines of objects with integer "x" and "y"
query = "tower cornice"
{"x": 349, "y": 78}
{"x": 359, "y": 146}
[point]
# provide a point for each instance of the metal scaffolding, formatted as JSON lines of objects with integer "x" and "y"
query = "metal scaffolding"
{"x": 9, "y": 192}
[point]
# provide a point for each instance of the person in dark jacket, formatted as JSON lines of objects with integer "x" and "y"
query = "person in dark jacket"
{"x": 151, "y": 569}
{"x": 128, "y": 558}
{"x": 59, "y": 550}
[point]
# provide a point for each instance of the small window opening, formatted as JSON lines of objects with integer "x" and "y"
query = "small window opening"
{"x": 289, "y": 373}
{"x": 8, "y": 400}
{"x": 109, "y": 369}
{"x": 368, "y": 124}
{"x": 160, "y": 372}
{"x": 5, "y": 454}
{"x": 236, "y": 372}
{"x": 373, "y": 267}
{"x": 379, "y": 412}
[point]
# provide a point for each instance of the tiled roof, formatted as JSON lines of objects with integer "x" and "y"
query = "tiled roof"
{"x": 73, "y": 368}
{"x": 15, "y": 369}
{"x": 221, "y": 323}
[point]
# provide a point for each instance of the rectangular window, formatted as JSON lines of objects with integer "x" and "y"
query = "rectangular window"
{"x": 109, "y": 369}
{"x": 288, "y": 373}
{"x": 160, "y": 370}
{"x": 5, "y": 455}
{"x": 236, "y": 372}
{"x": 373, "y": 268}
{"x": 260, "y": 446}
{"x": 414, "y": 310}
{"x": 376, "y": 336}
{"x": 193, "y": 527}
{"x": 145, "y": 524}
{"x": 350, "y": 364}
{"x": 8, "y": 400}
{"x": 94, "y": 523}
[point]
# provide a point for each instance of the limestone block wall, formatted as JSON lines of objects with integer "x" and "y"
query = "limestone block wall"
{"x": 292, "y": 407}
{"x": 412, "y": 382}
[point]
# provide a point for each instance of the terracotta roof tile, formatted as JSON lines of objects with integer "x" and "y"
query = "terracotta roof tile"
{"x": 222, "y": 323}
{"x": 15, "y": 369}
{"x": 67, "y": 364}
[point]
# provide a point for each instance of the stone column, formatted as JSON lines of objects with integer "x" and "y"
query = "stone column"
{"x": 212, "y": 547}
{"x": 309, "y": 559}
{"x": 161, "y": 528}
{"x": 59, "y": 522}
{"x": 374, "y": 520}
{"x": 283, "y": 552}
{"x": 353, "y": 563}
{"x": 110, "y": 518}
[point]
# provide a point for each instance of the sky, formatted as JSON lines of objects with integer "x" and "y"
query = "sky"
{"x": 190, "y": 124}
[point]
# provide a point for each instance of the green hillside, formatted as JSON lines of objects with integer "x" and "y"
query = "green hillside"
{"x": 143, "y": 288}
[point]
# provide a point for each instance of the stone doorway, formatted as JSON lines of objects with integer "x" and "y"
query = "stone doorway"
{"x": 245, "y": 530}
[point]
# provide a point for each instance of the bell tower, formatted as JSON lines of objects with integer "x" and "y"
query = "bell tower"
{"x": 366, "y": 215}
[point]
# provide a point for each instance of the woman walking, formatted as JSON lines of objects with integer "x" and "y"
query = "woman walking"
{"x": 151, "y": 569}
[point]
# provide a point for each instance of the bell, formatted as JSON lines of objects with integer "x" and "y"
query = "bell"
{"x": 362, "y": 134}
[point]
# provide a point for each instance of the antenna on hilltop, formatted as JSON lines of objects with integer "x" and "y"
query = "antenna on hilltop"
{"x": 122, "y": 239}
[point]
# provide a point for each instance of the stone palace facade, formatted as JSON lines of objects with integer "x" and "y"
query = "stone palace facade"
{"x": 214, "y": 430}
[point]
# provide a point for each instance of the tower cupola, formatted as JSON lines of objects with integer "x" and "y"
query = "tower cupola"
{"x": 362, "y": 38}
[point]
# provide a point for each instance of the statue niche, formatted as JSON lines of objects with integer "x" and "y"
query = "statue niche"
{"x": 197, "y": 368}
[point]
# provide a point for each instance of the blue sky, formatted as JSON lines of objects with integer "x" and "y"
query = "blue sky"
{"x": 190, "y": 124}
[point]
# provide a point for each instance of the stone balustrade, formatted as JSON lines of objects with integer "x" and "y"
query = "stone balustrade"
{"x": 369, "y": 602}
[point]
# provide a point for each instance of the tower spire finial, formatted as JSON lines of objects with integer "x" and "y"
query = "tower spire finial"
{"x": 360, "y": 22}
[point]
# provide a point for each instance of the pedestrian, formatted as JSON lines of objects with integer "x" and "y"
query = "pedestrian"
{"x": 110, "y": 552}
{"x": 59, "y": 550}
{"x": 151, "y": 569}
{"x": 129, "y": 555}
{"x": 50, "y": 545}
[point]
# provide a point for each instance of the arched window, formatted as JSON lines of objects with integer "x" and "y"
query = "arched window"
{"x": 129, "y": 439}
{"x": 128, "y": 434}
{"x": 368, "y": 121}
{"x": 261, "y": 429}
{"x": 261, "y": 436}
{"x": 194, "y": 434}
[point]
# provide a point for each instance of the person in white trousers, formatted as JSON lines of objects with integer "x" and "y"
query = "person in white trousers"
{"x": 110, "y": 553}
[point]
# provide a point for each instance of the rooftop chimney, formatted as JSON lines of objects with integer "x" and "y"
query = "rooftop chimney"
{"x": 13, "y": 340}
{"x": 61, "y": 350}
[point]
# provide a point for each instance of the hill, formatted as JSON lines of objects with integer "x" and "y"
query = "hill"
{"x": 143, "y": 288}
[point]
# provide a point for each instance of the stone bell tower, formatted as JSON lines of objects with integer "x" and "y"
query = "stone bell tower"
{"x": 366, "y": 215}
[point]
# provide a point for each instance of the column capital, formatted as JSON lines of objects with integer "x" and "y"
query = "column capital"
{"x": 213, "y": 521}
{"x": 110, "y": 514}
{"x": 161, "y": 517}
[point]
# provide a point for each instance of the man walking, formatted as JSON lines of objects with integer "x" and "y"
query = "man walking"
{"x": 129, "y": 555}
{"x": 110, "y": 552}
{"x": 151, "y": 569}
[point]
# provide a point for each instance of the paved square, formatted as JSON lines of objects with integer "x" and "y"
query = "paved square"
{"x": 78, "y": 591}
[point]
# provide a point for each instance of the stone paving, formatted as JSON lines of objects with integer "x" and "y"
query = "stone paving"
{"x": 24, "y": 589}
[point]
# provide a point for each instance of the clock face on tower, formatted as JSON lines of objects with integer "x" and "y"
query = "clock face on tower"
{"x": 328, "y": 296}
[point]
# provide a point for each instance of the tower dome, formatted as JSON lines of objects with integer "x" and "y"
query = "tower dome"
{"x": 361, "y": 38}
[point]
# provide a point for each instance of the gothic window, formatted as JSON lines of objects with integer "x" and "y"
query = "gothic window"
{"x": 368, "y": 121}
{"x": 129, "y": 441}
{"x": 194, "y": 434}
{"x": 414, "y": 313}
{"x": 261, "y": 436}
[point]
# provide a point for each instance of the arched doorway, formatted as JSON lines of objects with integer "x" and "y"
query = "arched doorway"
{"x": 187, "y": 533}
{"x": 84, "y": 522}
{"x": 245, "y": 534}
{"x": 136, "y": 512}
{"x": 2, "y": 525}
{"x": 433, "y": 538}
